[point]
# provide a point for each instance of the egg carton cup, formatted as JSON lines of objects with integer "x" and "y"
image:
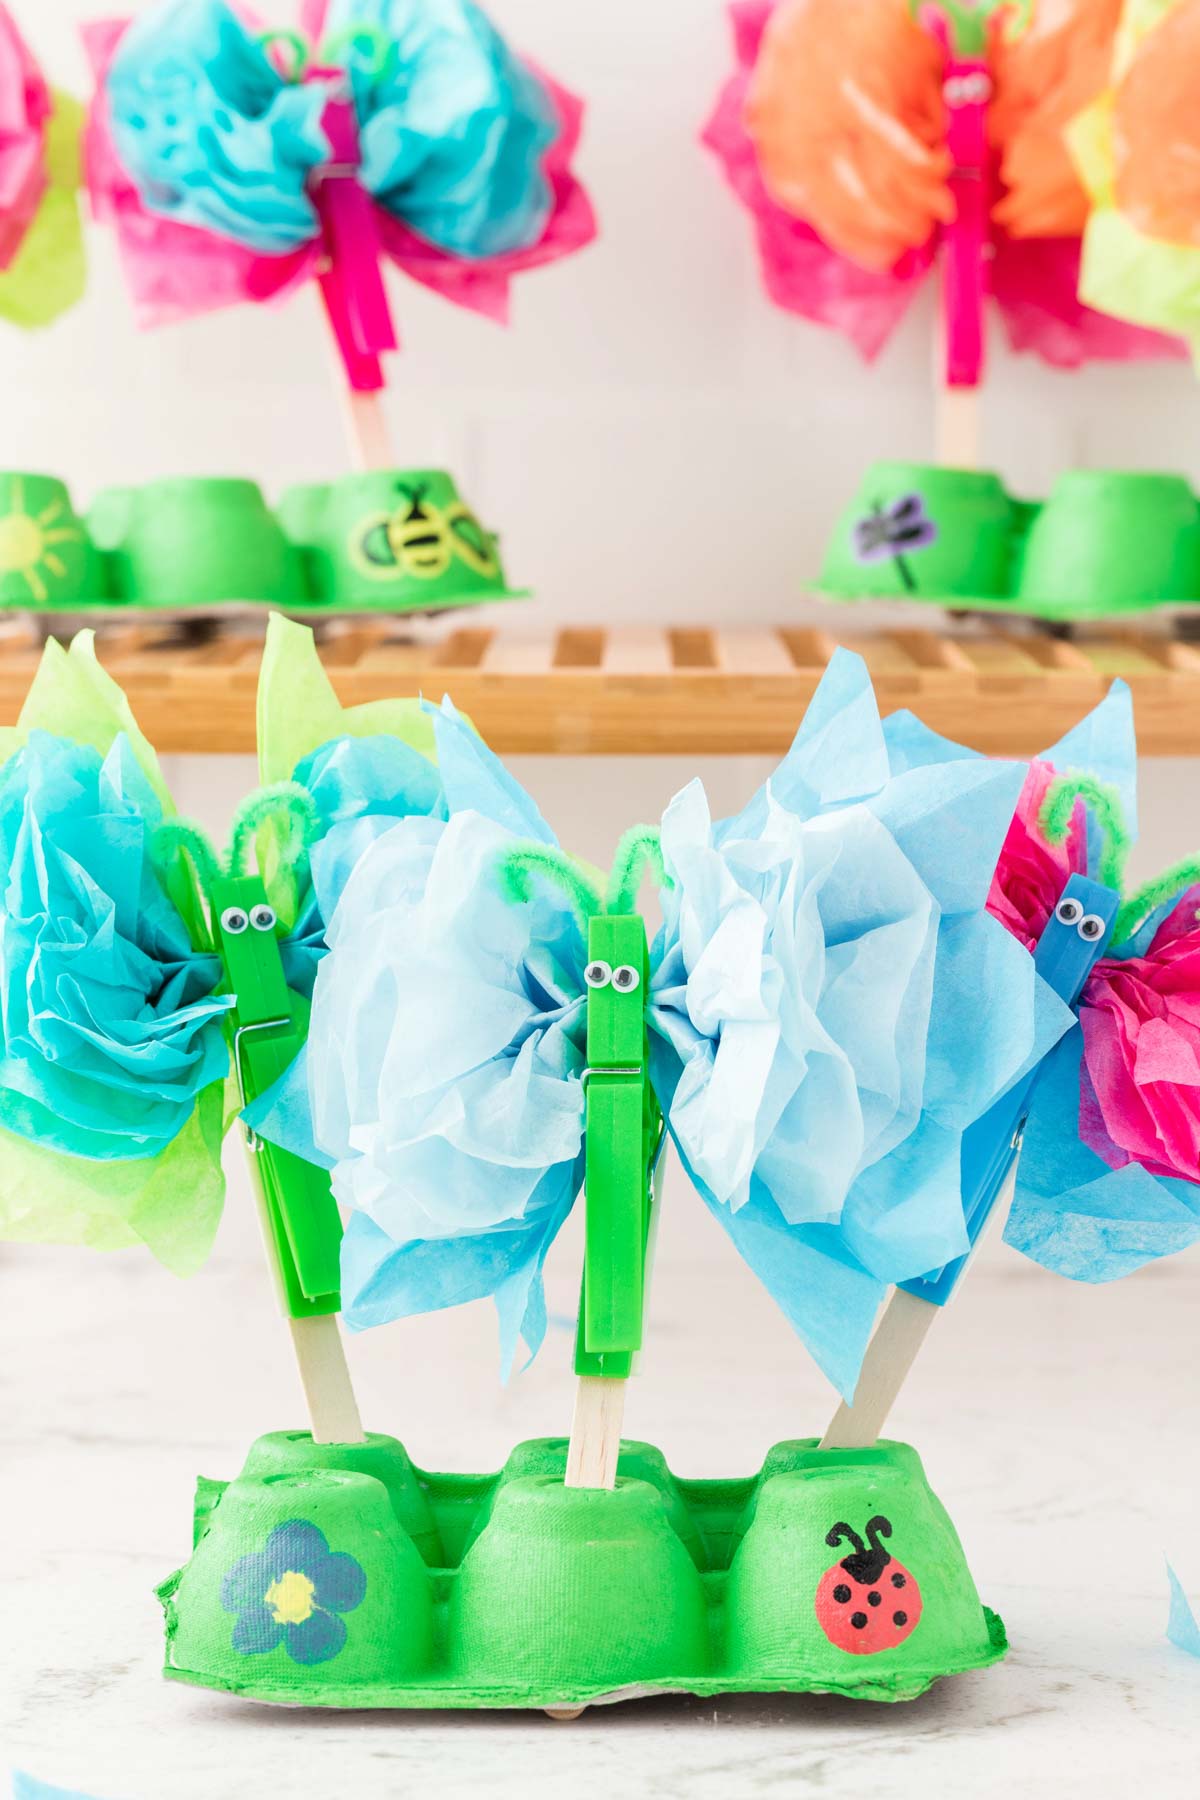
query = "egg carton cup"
{"x": 1105, "y": 543}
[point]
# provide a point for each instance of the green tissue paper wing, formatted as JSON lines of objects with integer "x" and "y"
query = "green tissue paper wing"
{"x": 48, "y": 274}
{"x": 298, "y": 710}
{"x": 171, "y": 1203}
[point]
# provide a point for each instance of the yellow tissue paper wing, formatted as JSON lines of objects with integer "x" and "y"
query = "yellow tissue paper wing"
{"x": 48, "y": 273}
{"x": 1137, "y": 149}
{"x": 170, "y": 1203}
{"x": 298, "y": 710}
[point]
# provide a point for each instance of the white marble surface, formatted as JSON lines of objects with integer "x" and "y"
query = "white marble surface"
{"x": 1060, "y": 1425}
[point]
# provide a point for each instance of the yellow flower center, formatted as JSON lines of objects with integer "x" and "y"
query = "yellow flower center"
{"x": 291, "y": 1598}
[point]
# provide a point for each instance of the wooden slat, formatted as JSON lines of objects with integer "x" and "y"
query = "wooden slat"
{"x": 753, "y": 653}
{"x": 684, "y": 690}
{"x": 636, "y": 650}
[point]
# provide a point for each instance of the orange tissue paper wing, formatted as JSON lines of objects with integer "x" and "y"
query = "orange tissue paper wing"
{"x": 1156, "y": 131}
{"x": 846, "y": 115}
{"x": 1044, "y": 77}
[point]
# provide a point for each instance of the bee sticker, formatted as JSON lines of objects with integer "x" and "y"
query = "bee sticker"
{"x": 420, "y": 540}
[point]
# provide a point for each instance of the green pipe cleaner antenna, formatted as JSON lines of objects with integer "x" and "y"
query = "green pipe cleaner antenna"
{"x": 639, "y": 849}
{"x": 1167, "y": 886}
{"x": 176, "y": 835}
{"x": 1059, "y": 804}
{"x": 527, "y": 860}
{"x": 299, "y": 810}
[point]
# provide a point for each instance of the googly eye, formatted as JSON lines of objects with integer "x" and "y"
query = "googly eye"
{"x": 626, "y": 979}
{"x": 977, "y": 87}
{"x": 952, "y": 91}
{"x": 1068, "y": 912}
{"x": 234, "y": 920}
{"x": 1091, "y": 928}
{"x": 598, "y": 974}
{"x": 262, "y": 918}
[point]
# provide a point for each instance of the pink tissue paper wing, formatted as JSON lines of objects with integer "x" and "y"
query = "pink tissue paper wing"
{"x": 800, "y": 272}
{"x": 1035, "y": 283}
{"x": 1031, "y": 874}
{"x": 175, "y": 271}
{"x": 483, "y": 286}
{"x": 1141, "y": 1031}
{"x": 24, "y": 109}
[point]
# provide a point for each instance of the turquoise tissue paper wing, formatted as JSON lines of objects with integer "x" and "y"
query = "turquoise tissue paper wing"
{"x": 209, "y": 131}
{"x": 454, "y": 126}
{"x": 27, "y": 1787}
{"x": 441, "y": 1082}
{"x": 818, "y": 1043}
{"x": 111, "y": 1028}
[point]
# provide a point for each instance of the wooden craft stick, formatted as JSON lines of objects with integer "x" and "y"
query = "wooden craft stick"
{"x": 595, "y": 1432}
{"x": 367, "y": 430}
{"x": 325, "y": 1374}
{"x": 890, "y": 1356}
{"x": 956, "y": 427}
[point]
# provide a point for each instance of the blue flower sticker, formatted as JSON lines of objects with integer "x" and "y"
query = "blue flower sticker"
{"x": 293, "y": 1593}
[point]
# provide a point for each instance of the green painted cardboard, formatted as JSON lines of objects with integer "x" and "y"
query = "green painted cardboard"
{"x": 46, "y": 556}
{"x": 392, "y": 542}
{"x": 319, "y": 1578}
{"x": 1104, "y": 543}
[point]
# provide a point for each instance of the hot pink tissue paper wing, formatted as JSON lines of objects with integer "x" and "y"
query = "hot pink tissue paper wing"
{"x": 1123, "y": 1118}
{"x": 1035, "y": 283}
{"x": 24, "y": 110}
{"x": 174, "y": 271}
{"x": 483, "y": 286}
{"x": 800, "y": 272}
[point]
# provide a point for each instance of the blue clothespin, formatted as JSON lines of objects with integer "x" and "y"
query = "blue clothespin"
{"x": 1075, "y": 938}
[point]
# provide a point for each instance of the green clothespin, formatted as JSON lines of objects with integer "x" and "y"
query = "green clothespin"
{"x": 268, "y": 1027}
{"x": 623, "y": 1126}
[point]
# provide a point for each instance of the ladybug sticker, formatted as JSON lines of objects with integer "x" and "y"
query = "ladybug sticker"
{"x": 867, "y": 1602}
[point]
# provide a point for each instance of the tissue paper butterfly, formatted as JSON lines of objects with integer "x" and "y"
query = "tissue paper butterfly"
{"x": 868, "y": 1602}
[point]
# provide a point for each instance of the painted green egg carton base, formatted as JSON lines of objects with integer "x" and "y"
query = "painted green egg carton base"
{"x": 1105, "y": 544}
{"x": 394, "y": 541}
{"x": 342, "y": 1576}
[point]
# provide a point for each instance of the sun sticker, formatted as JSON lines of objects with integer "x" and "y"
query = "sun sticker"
{"x": 32, "y": 541}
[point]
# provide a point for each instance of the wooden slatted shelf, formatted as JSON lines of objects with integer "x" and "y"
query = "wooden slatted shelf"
{"x": 684, "y": 689}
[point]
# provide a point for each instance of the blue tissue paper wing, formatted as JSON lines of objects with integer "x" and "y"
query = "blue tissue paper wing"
{"x": 475, "y": 780}
{"x": 25, "y": 1787}
{"x": 111, "y": 1029}
{"x": 455, "y": 127}
{"x": 1182, "y": 1629}
{"x": 1071, "y": 1212}
{"x": 832, "y": 1008}
{"x": 210, "y": 132}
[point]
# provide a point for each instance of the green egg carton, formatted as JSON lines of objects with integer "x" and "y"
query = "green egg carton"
{"x": 342, "y": 1576}
{"x": 389, "y": 541}
{"x": 1104, "y": 544}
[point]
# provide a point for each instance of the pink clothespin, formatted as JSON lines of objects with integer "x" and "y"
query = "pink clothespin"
{"x": 967, "y": 88}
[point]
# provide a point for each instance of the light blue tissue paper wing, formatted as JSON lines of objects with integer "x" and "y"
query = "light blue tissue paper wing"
{"x": 1071, "y": 1212}
{"x": 912, "y": 745}
{"x": 209, "y": 132}
{"x": 951, "y": 820}
{"x": 383, "y": 1280}
{"x": 283, "y": 1114}
{"x": 1182, "y": 1628}
{"x": 352, "y": 778}
{"x": 454, "y": 129}
{"x": 993, "y": 1018}
{"x": 1105, "y": 745}
{"x": 837, "y": 756}
{"x": 25, "y": 1787}
{"x": 904, "y": 1214}
{"x": 475, "y": 779}
{"x": 828, "y": 1299}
